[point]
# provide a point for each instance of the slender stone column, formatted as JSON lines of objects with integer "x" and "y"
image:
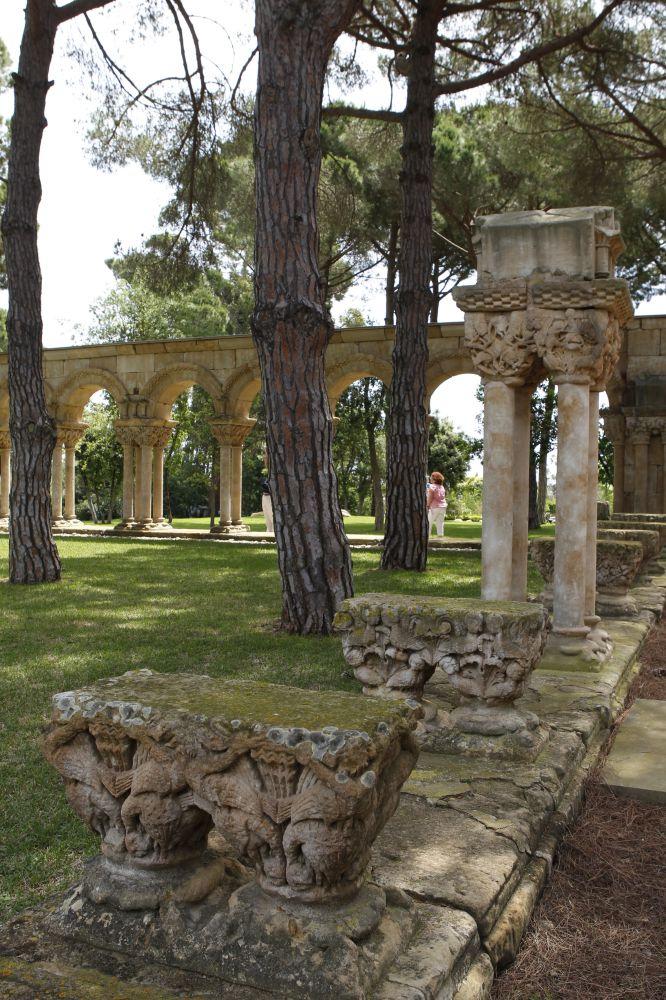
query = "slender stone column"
{"x": 618, "y": 475}
{"x": 158, "y": 485}
{"x": 128, "y": 483}
{"x": 592, "y": 491}
{"x": 56, "y": 483}
{"x": 5, "y": 476}
{"x": 145, "y": 475}
{"x": 231, "y": 433}
{"x": 225, "y": 486}
{"x": 569, "y": 580}
{"x": 136, "y": 501}
{"x": 497, "y": 520}
{"x": 70, "y": 482}
{"x": 641, "y": 442}
{"x": 236, "y": 483}
{"x": 521, "y": 492}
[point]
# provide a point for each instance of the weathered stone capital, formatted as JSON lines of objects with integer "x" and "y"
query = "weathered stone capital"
{"x": 298, "y": 782}
{"x": 576, "y": 345}
{"x": 5, "y": 440}
{"x": 641, "y": 429}
{"x": 69, "y": 435}
{"x": 232, "y": 431}
{"x": 607, "y": 294}
{"x": 501, "y": 346}
{"x": 144, "y": 433}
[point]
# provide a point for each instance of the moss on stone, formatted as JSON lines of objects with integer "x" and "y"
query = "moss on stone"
{"x": 449, "y": 607}
{"x": 139, "y": 695}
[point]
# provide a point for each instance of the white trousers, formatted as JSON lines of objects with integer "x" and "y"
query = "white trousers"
{"x": 437, "y": 515}
{"x": 267, "y": 507}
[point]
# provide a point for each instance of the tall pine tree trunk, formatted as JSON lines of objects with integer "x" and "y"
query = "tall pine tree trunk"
{"x": 391, "y": 262}
{"x": 33, "y": 556}
{"x": 547, "y": 433}
{"x": 406, "y": 538}
{"x": 290, "y": 325}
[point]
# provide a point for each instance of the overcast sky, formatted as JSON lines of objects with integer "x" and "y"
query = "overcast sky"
{"x": 85, "y": 211}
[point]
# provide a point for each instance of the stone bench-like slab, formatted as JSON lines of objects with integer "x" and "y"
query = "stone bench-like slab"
{"x": 650, "y": 540}
{"x": 618, "y": 565}
{"x": 635, "y": 767}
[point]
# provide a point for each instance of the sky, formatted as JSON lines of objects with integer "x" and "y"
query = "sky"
{"x": 86, "y": 211}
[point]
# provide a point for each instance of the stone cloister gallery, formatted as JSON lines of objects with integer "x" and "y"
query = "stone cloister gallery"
{"x": 298, "y": 784}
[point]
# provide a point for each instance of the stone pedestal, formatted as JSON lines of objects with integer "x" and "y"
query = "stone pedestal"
{"x": 486, "y": 650}
{"x": 290, "y": 787}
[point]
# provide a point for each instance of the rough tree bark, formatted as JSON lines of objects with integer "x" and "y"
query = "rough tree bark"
{"x": 406, "y": 538}
{"x": 33, "y": 556}
{"x": 546, "y": 439}
{"x": 391, "y": 261}
{"x": 290, "y": 325}
{"x": 375, "y": 471}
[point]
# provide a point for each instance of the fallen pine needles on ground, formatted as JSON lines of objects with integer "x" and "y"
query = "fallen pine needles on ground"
{"x": 599, "y": 932}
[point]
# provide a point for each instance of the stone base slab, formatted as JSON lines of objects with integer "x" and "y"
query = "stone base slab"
{"x": 635, "y": 767}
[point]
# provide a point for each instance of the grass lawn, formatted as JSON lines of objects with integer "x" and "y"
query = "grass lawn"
{"x": 469, "y": 530}
{"x": 123, "y": 604}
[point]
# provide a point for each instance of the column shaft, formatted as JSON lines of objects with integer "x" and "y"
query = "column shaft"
{"x": 236, "y": 483}
{"x": 592, "y": 491}
{"x": 70, "y": 483}
{"x": 158, "y": 484}
{"x": 136, "y": 498}
{"x": 225, "y": 485}
{"x": 663, "y": 475}
{"x": 641, "y": 445}
{"x": 128, "y": 483}
{"x": 56, "y": 483}
{"x": 497, "y": 521}
{"x": 521, "y": 493}
{"x": 5, "y": 478}
{"x": 618, "y": 475}
{"x": 145, "y": 470}
{"x": 572, "y": 505}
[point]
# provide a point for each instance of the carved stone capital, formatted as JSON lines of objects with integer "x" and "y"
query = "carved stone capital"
{"x": 69, "y": 435}
{"x": 576, "y": 345}
{"x": 641, "y": 429}
{"x": 232, "y": 432}
{"x": 5, "y": 439}
{"x": 500, "y": 344}
{"x": 298, "y": 782}
{"x": 607, "y": 294}
{"x": 153, "y": 434}
{"x": 395, "y": 643}
{"x": 618, "y": 563}
{"x": 614, "y": 425}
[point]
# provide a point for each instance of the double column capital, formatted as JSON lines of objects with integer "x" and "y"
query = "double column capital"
{"x": 69, "y": 434}
{"x": 518, "y": 327}
{"x": 144, "y": 433}
{"x": 641, "y": 429}
{"x": 231, "y": 430}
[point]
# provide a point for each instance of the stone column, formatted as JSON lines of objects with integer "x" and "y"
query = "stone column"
{"x": 592, "y": 491}
{"x": 56, "y": 483}
{"x": 521, "y": 492}
{"x": 144, "y": 476}
{"x": 641, "y": 442}
{"x": 614, "y": 429}
{"x": 231, "y": 433}
{"x": 126, "y": 436}
{"x": 68, "y": 436}
{"x": 497, "y": 512}
{"x": 569, "y": 582}
{"x": 160, "y": 437}
{"x": 136, "y": 501}
{"x": 5, "y": 477}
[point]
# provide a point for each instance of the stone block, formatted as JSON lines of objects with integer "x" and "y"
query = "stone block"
{"x": 486, "y": 649}
{"x": 650, "y": 540}
{"x": 635, "y": 766}
{"x": 618, "y": 564}
{"x": 603, "y": 510}
{"x": 644, "y": 342}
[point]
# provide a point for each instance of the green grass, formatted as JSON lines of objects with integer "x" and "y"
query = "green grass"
{"x": 467, "y": 530}
{"x": 174, "y": 605}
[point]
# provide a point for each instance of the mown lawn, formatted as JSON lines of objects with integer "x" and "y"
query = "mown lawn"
{"x": 194, "y": 606}
{"x": 469, "y": 530}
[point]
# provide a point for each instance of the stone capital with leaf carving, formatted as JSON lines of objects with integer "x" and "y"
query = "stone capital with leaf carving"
{"x": 501, "y": 345}
{"x": 5, "y": 440}
{"x": 232, "y": 432}
{"x": 69, "y": 435}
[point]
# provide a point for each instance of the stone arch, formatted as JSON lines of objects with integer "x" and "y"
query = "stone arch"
{"x": 241, "y": 388}
{"x": 441, "y": 369}
{"x": 164, "y": 388}
{"x": 356, "y": 366}
{"x": 69, "y": 398}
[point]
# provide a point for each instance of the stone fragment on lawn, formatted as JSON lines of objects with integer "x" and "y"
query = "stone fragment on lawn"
{"x": 296, "y": 783}
{"x": 486, "y": 649}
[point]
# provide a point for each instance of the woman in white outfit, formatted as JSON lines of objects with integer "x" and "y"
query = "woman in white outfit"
{"x": 267, "y": 504}
{"x": 436, "y": 501}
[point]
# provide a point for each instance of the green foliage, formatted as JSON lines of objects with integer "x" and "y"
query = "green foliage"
{"x": 361, "y": 413}
{"x": 3, "y": 330}
{"x": 449, "y": 452}
{"x": 100, "y": 462}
